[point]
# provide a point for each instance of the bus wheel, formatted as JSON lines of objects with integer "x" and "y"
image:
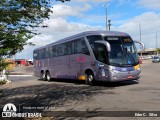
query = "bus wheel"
{"x": 43, "y": 76}
{"x": 48, "y": 76}
{"x": 90, "y": 79}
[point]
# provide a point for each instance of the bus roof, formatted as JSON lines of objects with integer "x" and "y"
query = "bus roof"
{"x": 86, "y": 33}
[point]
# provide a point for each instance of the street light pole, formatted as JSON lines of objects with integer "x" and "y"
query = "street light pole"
{"x": 106, "y": 5}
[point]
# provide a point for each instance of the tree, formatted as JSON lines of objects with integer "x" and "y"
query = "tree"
{"x": 18, "y": 20}
{"x": 158, "y": 50}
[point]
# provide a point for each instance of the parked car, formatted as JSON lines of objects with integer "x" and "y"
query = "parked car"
{"x": 156, "y": 59}
{"x": 144, "y": 58}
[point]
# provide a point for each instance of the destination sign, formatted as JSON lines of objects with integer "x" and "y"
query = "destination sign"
{"x": 112, "y": 38}
{"x": 127, "y": 40}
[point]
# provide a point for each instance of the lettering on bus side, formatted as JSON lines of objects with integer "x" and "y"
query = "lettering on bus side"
{"x": 81, "y": 59}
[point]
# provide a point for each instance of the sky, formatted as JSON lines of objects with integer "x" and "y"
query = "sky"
{"x": 77, "y": 16}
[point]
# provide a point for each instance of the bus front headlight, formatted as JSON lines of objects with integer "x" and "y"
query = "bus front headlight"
{"x": 114, "y": 71}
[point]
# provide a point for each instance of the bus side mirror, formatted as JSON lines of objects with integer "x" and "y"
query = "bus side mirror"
{"x": 142, "y": 44}
{"x": 108, "y": 46}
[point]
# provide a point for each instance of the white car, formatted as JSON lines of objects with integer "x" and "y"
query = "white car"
{"x": 156, "y": 59}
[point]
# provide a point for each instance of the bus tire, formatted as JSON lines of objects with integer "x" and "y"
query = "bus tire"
{"x": 48, "y": 76}
{"x": 43, "y": 76}
{"x": 90, "y": 79}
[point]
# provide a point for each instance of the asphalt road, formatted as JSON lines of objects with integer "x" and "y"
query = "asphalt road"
{"x": 143, "y": 95}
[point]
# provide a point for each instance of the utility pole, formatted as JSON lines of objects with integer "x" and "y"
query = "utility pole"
{"x": 156, "y": 43}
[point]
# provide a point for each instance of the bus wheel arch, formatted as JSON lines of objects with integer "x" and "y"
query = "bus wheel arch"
{"x": 48, "y": 76}
{"x": 90, "y": 77}
{"x": 42, "y": 75}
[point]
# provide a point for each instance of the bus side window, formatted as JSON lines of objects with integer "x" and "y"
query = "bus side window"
{"x": 68, "y": 48}
{"x": 100, "y": 53}
{"x": 73, "y": 47}
{"x": 80, "y": 46}
{"x": 46, "y": 52}
{"x": 59, "y": 50}
{"x": 54, "y": 51}
{"x": 35, "y": 55}
{"x": 63, "y": 47}
{"x": 42, "y": 53}
{"x": 50, "y": 52}
{"x": 85, "y": 48}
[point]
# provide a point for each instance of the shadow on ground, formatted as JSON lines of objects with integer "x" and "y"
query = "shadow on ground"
{"x": 98, "y": 83}
{"x": 56, "y": 95}
{"x": 48, "y": 95}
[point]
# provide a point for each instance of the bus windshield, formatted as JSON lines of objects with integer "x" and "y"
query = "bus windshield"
{"x": 123, "y": 51}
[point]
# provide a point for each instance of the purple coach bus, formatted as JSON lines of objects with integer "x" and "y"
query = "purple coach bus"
{"x": 90, "y": 56}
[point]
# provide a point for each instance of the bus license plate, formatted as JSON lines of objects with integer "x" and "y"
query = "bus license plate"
{"x": 130, "y": 76}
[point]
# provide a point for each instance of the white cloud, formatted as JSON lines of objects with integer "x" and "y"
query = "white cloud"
{"x": 122, "y": 2}
{"x": 58, "y": 28}
{"x": 92, "y": 0}
{"x": 149, "y": 22}
{"x": 151, "y": 4}
{"x": 62, "y": 26}
{"x": 66, "y": 10}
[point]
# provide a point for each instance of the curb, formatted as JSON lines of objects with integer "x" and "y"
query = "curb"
{"x": 21, "y": 75}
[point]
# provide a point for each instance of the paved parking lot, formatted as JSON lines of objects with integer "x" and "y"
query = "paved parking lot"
{"x": 142, "y": 95}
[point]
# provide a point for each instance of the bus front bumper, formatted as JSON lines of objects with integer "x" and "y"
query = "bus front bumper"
{"x": 122, "y": 76}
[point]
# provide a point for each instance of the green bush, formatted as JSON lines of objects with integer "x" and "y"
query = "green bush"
{"x": 2, "y": 82}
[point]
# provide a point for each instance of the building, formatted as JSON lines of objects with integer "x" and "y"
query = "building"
{"x": 148, "y": 51}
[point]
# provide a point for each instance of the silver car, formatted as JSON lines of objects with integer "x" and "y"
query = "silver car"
{"x": 156, "y": 59}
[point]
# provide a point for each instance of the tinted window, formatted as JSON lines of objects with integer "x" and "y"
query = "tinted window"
{"x": 59, "y": 50}
{"x": 54, "y": 51}
{"x": 72, "y": 47}
{"x": 41, "y": 54}
{"x": 69, "y": 48}
{"x": 50, "y": 52}
{"x": 64, "y": 49}
{"x": 80, "y": 46}
{"x": 94, "y": 38}
{"x": 46, "y": 52}
{"x": 35, "y": 55}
